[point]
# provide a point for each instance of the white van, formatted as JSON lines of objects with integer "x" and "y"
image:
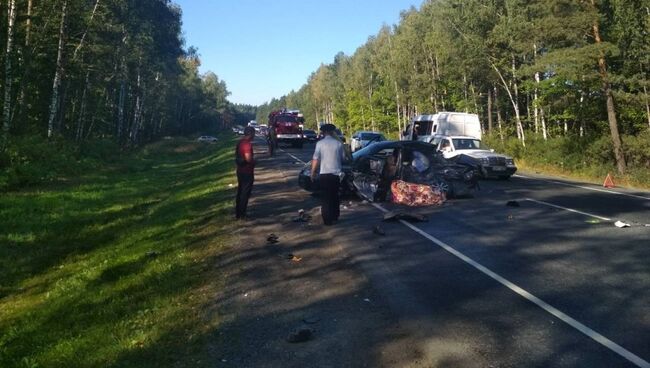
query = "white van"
{"x": 443, "y": 123}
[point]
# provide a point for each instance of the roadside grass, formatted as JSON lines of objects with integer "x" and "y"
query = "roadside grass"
{"x": 575, "y": 158}
{"x": 111, "y": 268}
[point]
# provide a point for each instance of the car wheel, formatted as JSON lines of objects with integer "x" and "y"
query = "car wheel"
{"x": 441, "y": 186}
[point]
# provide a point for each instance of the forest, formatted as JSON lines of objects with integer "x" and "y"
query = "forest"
{"x": 556, "y": 83}
{"x": 85, "y": 75}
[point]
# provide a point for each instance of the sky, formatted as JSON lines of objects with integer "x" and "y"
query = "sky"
{"x": 266, "y": 48}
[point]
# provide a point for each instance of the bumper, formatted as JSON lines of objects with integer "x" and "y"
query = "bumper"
{"x": 498, "y": 171}
{"x": 289, "y": 136}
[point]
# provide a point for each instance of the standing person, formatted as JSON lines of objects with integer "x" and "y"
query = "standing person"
{"x": 245, "y": 171}
{"x": 329, "y": 155}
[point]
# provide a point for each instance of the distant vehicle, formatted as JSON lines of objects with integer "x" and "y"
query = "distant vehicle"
{"x": 492, "y": 164}
{"x": 425, "y": 127}
{"x": 284, "y": 127}
{"x": 309, "y": 135}
{"x": 238, "y": 129}
{"x": 363, "y": 138}
{"x": 264, "y": 130}
{"x": 373, "y": 168}
{"x": 254, "y": 124}
{"x": 207, "y": 138}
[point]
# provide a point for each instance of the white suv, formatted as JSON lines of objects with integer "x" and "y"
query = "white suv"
{"x": 492, "y": 164}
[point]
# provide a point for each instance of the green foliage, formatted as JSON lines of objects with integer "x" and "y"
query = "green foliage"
{"x": 450, "y": 55}
{"x": 113, "y": 268}
{"x": 127, "y": 77}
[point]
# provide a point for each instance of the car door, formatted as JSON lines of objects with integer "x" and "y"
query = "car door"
{"x": 368, "y": 175}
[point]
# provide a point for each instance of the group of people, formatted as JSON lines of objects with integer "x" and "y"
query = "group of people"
{"x": 326, "y": 162}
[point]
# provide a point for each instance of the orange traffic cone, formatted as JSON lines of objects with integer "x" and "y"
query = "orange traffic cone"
{"x": 609, "y": 182}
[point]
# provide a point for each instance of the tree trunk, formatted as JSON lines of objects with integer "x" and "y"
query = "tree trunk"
{"x": 137, "y": 114}
{"x": 611, "y": 109}
{"x": 83, "y": 37}
{"x": 58, "y": 75}
{"x": 82, "y": 109}
{"x": 515, "y": 104}
{"x": 543, "y": 123}
{"x": 28, "y": 23}
{"x": 515, "y": 87}
{"x": 499, "y": 119}
{"x": 647, "y": 105}
{"x": 121, "y": 100}
{"x": 11, "y": 19}
{"x": 489, "y": 111}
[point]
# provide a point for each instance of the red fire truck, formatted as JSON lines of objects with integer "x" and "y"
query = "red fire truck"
{"x": 285, "y": 126}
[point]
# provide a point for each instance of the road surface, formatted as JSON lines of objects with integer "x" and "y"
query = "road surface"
{"x": 550, "y": 283}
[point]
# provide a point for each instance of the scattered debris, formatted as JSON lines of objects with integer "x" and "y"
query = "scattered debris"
{"x": 593, "y": 221}
{"x": 378, "y": 230}
{"x": 302, "y": 216}
{"x": 311, "y": 320}
{"x": 366, "y": 300}
{"x": 513, "y": 204}
{"x": 301, "y": 335}
{"x": 296, "y": 259}
{"x": 511, "y": 217}
{"x": 396, "y": 216}
{"x": 621, "y": 224}
{"x": 364, "y": 201}
{"x": 272, "y": 239}
{"x": 647, "y": 225}
{"x": 153, "y": 254}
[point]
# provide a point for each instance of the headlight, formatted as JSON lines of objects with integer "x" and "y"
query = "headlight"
{"x": 510, "y": 162}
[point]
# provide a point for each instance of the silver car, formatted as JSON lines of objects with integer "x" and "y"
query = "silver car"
{"x": 363, "y": 138}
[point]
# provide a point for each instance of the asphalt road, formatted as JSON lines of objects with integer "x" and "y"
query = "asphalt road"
{"x": 551, "y": 283}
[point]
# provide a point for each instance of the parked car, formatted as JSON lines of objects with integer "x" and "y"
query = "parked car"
{"x": 363, "y": 138}
{"x": 238, "y": 129}
{"x": 491, "y": 164}
{"x": 309, "y": 135}
{"x": 372, "y": 169}
{"x": 207, "y": 138}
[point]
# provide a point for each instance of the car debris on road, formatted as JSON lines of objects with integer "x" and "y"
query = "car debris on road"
{"x": 412, "y": 217}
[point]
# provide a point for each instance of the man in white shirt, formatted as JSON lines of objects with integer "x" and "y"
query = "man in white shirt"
{"x": 329, "y": 155}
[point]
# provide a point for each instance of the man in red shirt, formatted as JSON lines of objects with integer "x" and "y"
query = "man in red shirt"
{"x": 245, "y": 171}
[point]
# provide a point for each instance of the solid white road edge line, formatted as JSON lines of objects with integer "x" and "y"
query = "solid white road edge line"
{"x": 583, "y": 187}
{"x": 567, "y": 209}
{"x": 636, "y": 360}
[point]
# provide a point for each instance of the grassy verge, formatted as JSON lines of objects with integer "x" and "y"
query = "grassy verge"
{"x": 583, "y": 159}
{"x": 111, "y": 268}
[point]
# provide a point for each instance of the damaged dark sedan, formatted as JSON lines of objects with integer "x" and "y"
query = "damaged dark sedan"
{"x": 372, "y": 169}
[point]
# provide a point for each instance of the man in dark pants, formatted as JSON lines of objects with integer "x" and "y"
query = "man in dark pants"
{"x": 328, "y": 155}
{"x": 245, "y": 172}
